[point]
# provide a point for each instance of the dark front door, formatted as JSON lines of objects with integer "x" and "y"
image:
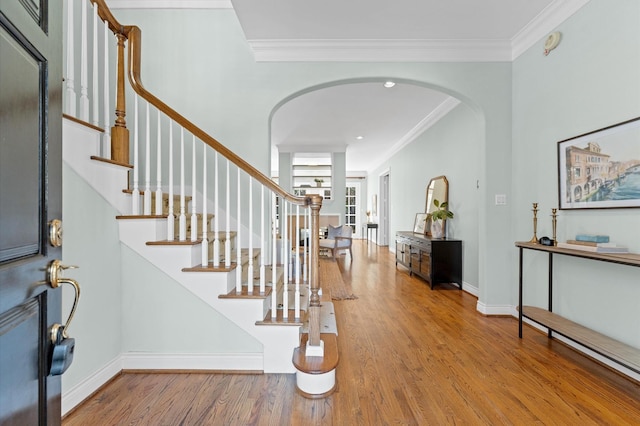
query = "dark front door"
{"x": 30, "y": 199}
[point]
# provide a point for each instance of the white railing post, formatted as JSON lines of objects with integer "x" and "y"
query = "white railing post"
{"x": 274, "y": 258}
{"x": 96, "y": 85}
{"x": 216, "y": 211}
{"x": 296, "y": 301}
{"x": 227, "y": 242}
{"x": 262, "y": 242}
{"x": 158, "y": 206}
{"x": 194, "y": 215}
{"x": 285, "y": 288}
{"x": 286, "y": 247}
{"x": 106, "y": 141}
{"x": 205, "y": 227}
{"x": 84, "y": 64}
{"x": 171, "y": 219}
{"x": 250, "y": 238}
{"x": 70, "y": 63}
{"x": 147, "y": 161}
{"x": 239, "y": 239}
{"x": 183, "y": 217}
{"x": 135, "y": 209}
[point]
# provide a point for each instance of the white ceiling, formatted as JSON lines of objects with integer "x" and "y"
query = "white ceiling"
{"x": 377, "y": 30}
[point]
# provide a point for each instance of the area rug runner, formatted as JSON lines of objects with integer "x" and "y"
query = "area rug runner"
{"x": 331, "y": 280}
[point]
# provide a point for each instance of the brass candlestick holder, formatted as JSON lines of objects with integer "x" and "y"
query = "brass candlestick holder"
{"x": 534, "y": 240}
{"x": 554, "y": 222}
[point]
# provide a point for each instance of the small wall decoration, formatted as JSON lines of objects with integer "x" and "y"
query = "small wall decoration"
{"x": 419, "y": 225}
{"x": 601, "y": 169}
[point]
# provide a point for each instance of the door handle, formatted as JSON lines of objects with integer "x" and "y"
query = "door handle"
{"x": 63, "y": 345}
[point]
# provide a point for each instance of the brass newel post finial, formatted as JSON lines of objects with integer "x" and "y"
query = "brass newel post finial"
{"x": 534, "y": 240}
{"x": 119, "y": 131}
{"x": 554, "y": 221}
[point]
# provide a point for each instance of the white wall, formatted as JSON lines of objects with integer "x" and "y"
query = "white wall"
{"x": 592, "y": 80}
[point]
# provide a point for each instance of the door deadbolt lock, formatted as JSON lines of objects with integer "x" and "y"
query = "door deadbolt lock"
{"x": 55, "y": 233}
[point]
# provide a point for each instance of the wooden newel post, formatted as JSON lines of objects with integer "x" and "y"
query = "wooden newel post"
{"x": 314, "y": 301}
{"x": 119, "y": 132}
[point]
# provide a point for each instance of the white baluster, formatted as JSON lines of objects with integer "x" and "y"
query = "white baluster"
{"x": 158, "y": 206}
{"x": 205, "y": 227}
{"x": 286, "y": 248}
{"x": 274, "y": 260}
{"x": 147, "y": 172}
{"x": 296, "y": 259}
{"x": 250, "y": 238}
{"x": 194, "y": 215}
{"x": 84, "y": 64}
{"x": 262, "y": 242}
{"x": 96, "y": 83}
{"x": 216, "y": 223}
{"x": 308, "y": 250}
{"x": 296, "y": 300}
{"x": 285, "y": 288}
{"x": 239, "y": 240}
{"x": 70, "y": 70}
{"x": 227, "y": 243}
{"x": 182, "y": 234}
{"x": 171, "y": 224}
{"x": 106, "y": 141}
{"x": 136, "y": 191}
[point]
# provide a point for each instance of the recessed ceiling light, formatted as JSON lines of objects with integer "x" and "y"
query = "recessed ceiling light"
{"x": 389, "y": 84}
{"x": 359, "y": 137}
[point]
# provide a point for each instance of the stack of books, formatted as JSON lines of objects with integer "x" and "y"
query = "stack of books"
{"x": 593, "y": 243}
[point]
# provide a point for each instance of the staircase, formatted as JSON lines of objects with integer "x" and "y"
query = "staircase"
{"x": 230, "y": 238}
{"x": 147, "y": 236}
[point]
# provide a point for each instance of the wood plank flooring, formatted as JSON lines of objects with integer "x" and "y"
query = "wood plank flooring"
{"x": 408, "y": 355}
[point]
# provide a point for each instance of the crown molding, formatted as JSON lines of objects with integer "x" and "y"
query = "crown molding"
{"x": 169, "y": 4}
{"x": 548, "y": 20}
{"x": 440, "y": 111}
{"x": 274, "y": 50}
{"x": 315, "y": 148}
{"x": 381, "y": 50}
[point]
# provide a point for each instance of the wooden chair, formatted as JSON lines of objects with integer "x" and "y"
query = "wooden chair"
{"x": 338, "y": 238}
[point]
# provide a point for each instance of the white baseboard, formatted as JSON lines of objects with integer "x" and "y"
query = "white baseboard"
{"x": 148, "y": 361}
{"x": 502, "y": 310}
{"x": 81, "y": 391}
{"x": 470, "y": 289}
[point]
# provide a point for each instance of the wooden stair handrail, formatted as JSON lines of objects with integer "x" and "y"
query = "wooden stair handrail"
{"x": 136, "y": 83}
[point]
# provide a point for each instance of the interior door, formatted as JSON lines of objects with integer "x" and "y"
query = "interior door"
{"x": 30, "y": 198}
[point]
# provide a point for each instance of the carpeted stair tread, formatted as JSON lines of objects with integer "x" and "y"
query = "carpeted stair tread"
{"x": 211, "y": 268}
{"x": 279, "y": 320}
{"x": 245, "y": 294}
{"x": 327, "y": 320}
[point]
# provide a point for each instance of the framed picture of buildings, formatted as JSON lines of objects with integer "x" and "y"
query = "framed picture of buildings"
{"x": 600, "y": 169}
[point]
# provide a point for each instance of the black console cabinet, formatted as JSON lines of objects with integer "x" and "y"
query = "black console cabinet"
{"x": 436, "y": 260}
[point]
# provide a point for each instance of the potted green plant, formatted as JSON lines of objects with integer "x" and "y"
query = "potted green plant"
{"x": 318, "y": 182}
{"x": 438, "y": 217}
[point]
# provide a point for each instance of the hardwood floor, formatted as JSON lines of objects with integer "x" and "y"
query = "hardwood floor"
{"x": 408, "y": 355}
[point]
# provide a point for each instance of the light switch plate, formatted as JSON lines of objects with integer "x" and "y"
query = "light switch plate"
{"x": 501, "y": 200}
